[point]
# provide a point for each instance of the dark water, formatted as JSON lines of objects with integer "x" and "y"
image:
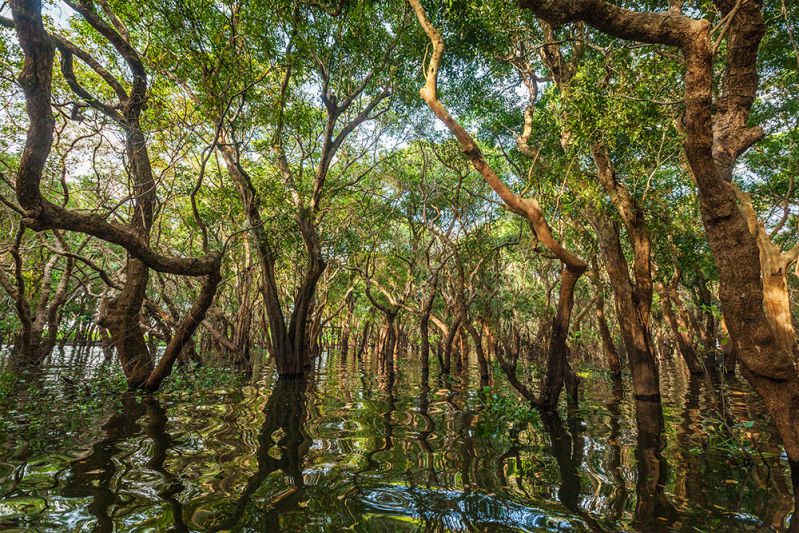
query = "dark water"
{"x": 349, "y": 451}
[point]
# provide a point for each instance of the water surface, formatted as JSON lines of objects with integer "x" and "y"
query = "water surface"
{"x": 348, "y": 450}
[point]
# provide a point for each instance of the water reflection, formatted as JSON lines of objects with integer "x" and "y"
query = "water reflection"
{"x": 282, "y": 446}
{"x": 353, "y": 449}
{"x": 653, "y": 510}
{"x": 567, "y": 449}
{"x": 619, "y": 494}
{"x": 92, "y": 476}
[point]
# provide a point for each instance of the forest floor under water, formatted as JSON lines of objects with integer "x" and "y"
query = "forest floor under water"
{"x": 346, "y": 450}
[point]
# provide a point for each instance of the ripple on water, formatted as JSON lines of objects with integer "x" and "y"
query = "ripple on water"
{"x": 359, "y": 456}
{"x": 456, "y": 511}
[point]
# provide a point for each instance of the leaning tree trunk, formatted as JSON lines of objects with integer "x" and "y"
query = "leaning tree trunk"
{"x": 281, "y": 346}
{"x": 716, "y": 135}
{"x": 125, "y": 314}
{"x": 679, "y": 330}
{"x": 634, "y": 329}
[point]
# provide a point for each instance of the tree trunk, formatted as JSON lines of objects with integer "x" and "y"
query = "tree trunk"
{"x": 124, "y": 324}
{"x": 184, "y": 331}
{"x": 609, "y": 347}
{"x": 390, "y": 345}
{"x": 680, "y": 330}
{"x": 424, "y": 352}
{"x": 634, "y": 329}
{"x": 777, "y": 303}
{"x": 558, "y": 370}
{"x": 727, "y": 350}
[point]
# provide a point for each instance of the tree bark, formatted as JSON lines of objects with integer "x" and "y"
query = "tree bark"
{"x": 713, "y": 142}
{"x": 611, "y": 354}
{"x": 634, "y": 328}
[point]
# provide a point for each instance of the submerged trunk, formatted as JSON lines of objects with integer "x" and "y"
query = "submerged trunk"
{"x": 481, "y": 357}
{"x": 679, "y": 330}
{"x": 424, "y": 324}
{"x": 424, "y": 351}
{"x": 559, "y": 372}
{"x": 449, "y": 343}
{"x": 124, "y": 324}
{"x": 182, "y": 335}
{"x": 290, "y": 342}
{"x": 390, "y": 345}
{"x": 298, "y": 332}
{"x": 632, "y": 314}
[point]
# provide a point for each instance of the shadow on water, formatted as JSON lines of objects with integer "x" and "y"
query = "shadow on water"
{"x": 351, "y": 449}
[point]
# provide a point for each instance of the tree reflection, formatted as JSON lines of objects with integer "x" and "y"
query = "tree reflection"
{"x": 619, "y": 497}
{"x": 91, "y": 476}
{"x": 567, "y": 449}
{"x": 161, "y": 443}
{"x": 284, "y": 418}
{"x": 653, "y": 511}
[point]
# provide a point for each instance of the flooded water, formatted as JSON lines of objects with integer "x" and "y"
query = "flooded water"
{"x": 349, "y": 451}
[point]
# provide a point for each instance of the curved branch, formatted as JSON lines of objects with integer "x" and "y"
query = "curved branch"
{"x": 41, "y": 214}
{"x": 527, "y": 207}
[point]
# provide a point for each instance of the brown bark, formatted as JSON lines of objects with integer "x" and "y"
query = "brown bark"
{"x": 449, "y": 343}
{"x": 713, "y": 141}
{"x": 41, "y": 214}
{"x": 485, "y": 375}
{"x": 635, "y": 224}
{"x": 348, "y": 319}
{"x": 774, "y": 267}
{"x": 390, "y": 312}
{"x": 367, "y": 326}
{"x": 124, "y": 324}
{"x": 634, "y": 329}
{"x": 508, "y": 357}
